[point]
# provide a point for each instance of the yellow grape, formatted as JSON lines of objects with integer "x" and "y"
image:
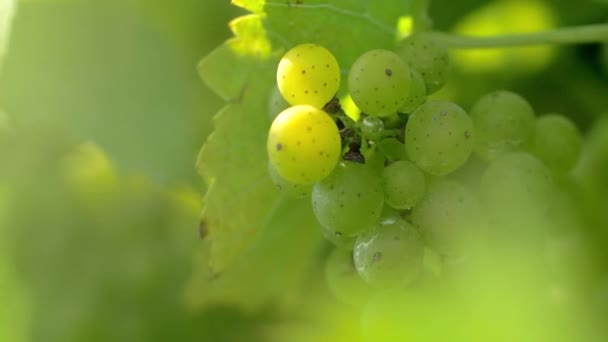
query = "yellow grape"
{"x": 304, "y": 144}
{"x": 308, "y": 74}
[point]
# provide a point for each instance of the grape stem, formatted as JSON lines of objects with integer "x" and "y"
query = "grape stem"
{"x": 565, "y": 35}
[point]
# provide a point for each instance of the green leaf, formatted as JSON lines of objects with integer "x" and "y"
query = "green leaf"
{"x": 7, "y": 10}
{"x": 255, "y": 236}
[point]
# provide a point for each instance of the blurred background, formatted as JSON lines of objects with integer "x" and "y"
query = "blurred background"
{"x": 102, "y": 114}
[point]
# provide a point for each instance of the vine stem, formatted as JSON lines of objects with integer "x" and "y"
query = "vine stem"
{"x": 565, "y": 35}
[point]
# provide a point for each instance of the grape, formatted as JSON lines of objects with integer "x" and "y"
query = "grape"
{"x": 516, "y": 189}
{"x": 379, "y": 82}
{"x": 303, "y": 144}
{"x": 404, "y": 184}
{"x": 417, "y": 94}
{"x": 288, "y": 188}
{"x": 343, "y": 280}
{"x": 390, "y": 255}
{"x": 439, "y": 137}
{"x": 557, "y": 143}
{"x": 428, "y": 57}
{"x": 308, "y": 74}
{"x": 276, "y": 103}
{"x": 350, "y": 200}
{"x": 504, "y": 121}
{"x": 448, "y": 217}
{"x": 372, "y": 127}
{"x": 339, "y": 240}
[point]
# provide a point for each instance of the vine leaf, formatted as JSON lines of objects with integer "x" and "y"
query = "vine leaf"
{"x": 258, "y": 242}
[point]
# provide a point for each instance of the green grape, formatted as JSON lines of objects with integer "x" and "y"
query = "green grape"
{"x": 504, "y": 122}
{"x": 428, "y": 57}
{"x": 350, "y": 200}
{"x": 439, "y": 137}
{"x": 304, "y": 144}
{"x": 448, "y": 217}
{"x": 516, "y": 189}
{"x": 286, "y": 187}
{"x": 379, "y": 82}
{"x": 417, "y": 94}
{"x": 276, "y": 103}
{"x": 372, "y": 127}
{"x": 343, "y": 279}
{"x": 339, "y": 240}
{"x": 308, "y": 74}
{"x": 557, "y": 143}
{"x": 404, "y": 184}
{"x": 390, "y": 255}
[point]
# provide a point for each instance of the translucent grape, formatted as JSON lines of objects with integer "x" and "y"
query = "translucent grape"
{"x": 516, "y": 189}
{"x": 276, "y": 103}
{"x": 428, "y": 57}
{"x": 557, "y": 143}
{"x": 372, "y": 127}
{"x": 343, "y": 279}
{"x": 439, "y": 137}
{"x": 303, "y": 144}
{"x": 417, "y": 94}
{"x": 390, "y": 255}
{"x": 504, "y": 122}
{"x": 448, "y": 217}
{"x": 287, "y": 187}
{"x": 379, "y": 82}
{"x": 350, "y": 200}
{"x": 338, "y": 239}
{"x": 308, "y": 74}
{"x": 404, "y": 184}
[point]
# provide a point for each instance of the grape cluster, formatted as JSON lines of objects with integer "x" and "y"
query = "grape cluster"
{"x": 413, "y": 178}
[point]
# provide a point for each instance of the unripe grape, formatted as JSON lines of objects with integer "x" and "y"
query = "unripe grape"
{"x": 379, "y": 82}
{"x": 390, "y": 255}
{"x": 504, "y": 122}
{"x": 428, "y": 57}
{"x": 404, "y": 184}
{"x": 350, "y": 200}
{"x": 439, "y": 137}
{"x": 287, "y": 187}
{"x": 417, "y": 94}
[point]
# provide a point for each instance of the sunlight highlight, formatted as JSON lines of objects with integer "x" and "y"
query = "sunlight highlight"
{"x": 506, "y": 17}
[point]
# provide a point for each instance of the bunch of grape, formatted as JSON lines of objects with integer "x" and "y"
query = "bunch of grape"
{"x": 413, "y": 180}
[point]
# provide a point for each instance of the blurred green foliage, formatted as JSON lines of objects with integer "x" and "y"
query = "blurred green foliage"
{"x": 103, "y": 114}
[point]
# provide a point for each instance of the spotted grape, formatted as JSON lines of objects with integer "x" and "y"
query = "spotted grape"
{"x": 379, "y": 82}
{"x": 428, "y": 57}
{"x": 417, "y": 94}
{"x": 284, "y": 186}
{"x": 504, "y": 122}
{"x": 308, "y": 74}
{"x": 303, "y": 144}
{"x": 390, "y": 255}
{"x": 439, "y": 137}
{"x": 350, "y": 200}
{"x": 404, "y": 184}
